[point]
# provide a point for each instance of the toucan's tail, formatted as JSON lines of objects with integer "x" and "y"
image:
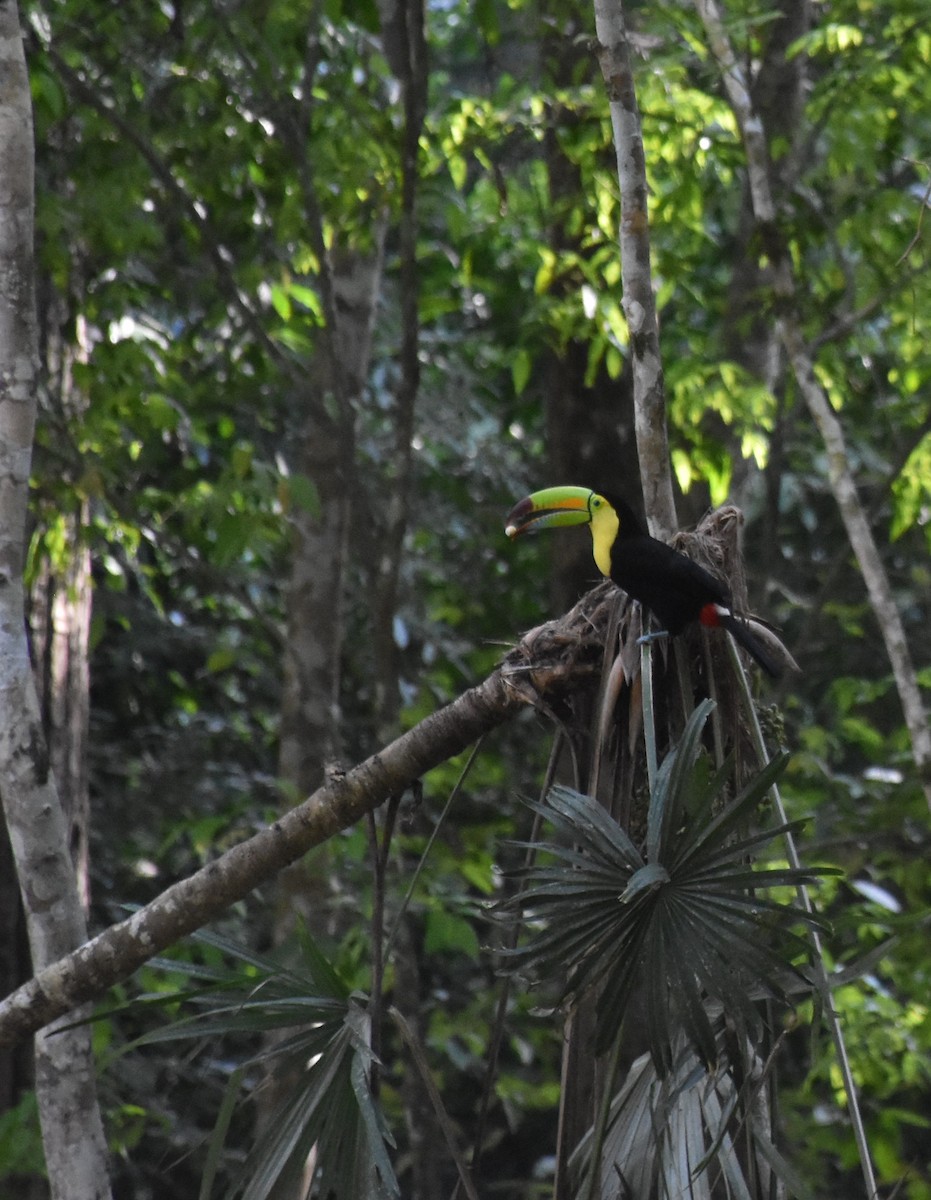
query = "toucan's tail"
{"x": 740, "y": 631}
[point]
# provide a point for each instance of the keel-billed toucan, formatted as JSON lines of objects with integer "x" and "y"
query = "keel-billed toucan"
{"x": 673, "y": 587}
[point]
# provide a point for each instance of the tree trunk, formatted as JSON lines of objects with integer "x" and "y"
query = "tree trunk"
{"x": 65, "y": 1080}
{"x": 310, "y": 696}
{"x": 751, "y": 337}
{"x": 639, "y": 405}
{"x": 325, "y": 454}
{"x": 590, "y": 436}
{"x": 310, "y": 714}
{"x": 60, "y": 593}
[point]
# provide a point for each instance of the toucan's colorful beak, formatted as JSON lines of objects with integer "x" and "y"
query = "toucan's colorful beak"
{"x": 551, "y": 507}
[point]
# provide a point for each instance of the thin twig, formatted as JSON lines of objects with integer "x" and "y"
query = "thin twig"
{"x": 820, "y": 970}
{"x": 510, "y": 942}
{"x": 417, "y": 1055}
{"x": 921, "y": 216}
{"x": 380, "y": 849}
{"x": 453, "y": 796}
{"x": 649, "y": 726}
{"x": 593, "y": 1191}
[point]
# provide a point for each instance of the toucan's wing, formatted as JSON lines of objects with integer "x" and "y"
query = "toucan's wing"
{"x": 670, "y": 585}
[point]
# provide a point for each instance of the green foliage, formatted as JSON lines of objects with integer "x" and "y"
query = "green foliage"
{"x": 321, "y": 1041}
{"x": 445, "y": 932}
{"x": 20, "y": 1143}
{"x": 184, "y": 294}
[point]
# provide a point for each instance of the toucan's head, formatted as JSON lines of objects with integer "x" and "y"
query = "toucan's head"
{"x": 568, "y": 506}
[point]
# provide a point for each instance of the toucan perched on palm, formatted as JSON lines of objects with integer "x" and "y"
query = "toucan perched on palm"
{"x": 672, "y": 586}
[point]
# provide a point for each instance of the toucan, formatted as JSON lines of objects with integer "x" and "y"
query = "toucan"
{"x": 672, "y": 586}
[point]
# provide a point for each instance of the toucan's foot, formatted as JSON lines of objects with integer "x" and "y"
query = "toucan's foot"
{"x": 655, "y": 636}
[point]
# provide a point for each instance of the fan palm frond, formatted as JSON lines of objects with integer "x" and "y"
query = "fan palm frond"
{"x": 680, "y": 921}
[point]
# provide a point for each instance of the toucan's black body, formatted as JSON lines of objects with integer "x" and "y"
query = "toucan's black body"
{"x": 669, "y": 584}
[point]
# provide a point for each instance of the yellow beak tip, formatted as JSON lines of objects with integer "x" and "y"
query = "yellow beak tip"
{"x": 511, "y": 531}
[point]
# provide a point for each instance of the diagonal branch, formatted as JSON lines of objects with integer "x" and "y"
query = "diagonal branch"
{"x": 548, "y": 661}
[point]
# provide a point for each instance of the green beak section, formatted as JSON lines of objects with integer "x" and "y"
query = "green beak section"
{"x": 549, "y": 508}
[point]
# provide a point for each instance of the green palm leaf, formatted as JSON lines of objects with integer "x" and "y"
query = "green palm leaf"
{"x": 330, "y": 1109}
{"x": 684, "y": 922}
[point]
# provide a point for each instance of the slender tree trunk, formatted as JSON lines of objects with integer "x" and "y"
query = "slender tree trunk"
{"x": 750, "y": 336}
{"x": 580, "y": 1074}
{"x": 65, "y": 1079}
{"x": 402, "y": 26}
{"x": 60, "y": 598}
{"x": 324, "y": 453}
{"x": 310, "y": 721}
{"x": 590, "y": 436}
{"x": 639, "y": 301}
{"x": 801, "y": 361}
{"x": 404, "y": 42}
{"x": 310, "y": 698}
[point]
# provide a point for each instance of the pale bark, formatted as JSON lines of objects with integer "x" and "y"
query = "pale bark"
{"x": 551, "y": 661}
{"x": 59, "y": 620}
{"x": 590, "y": 436}
{"x": 638, "y": 300}
{"x": 72, "y": 1131}
{"x": 801, "y": 360}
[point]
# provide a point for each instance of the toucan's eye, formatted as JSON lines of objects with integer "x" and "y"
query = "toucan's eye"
{"x": 596, "y": 502}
